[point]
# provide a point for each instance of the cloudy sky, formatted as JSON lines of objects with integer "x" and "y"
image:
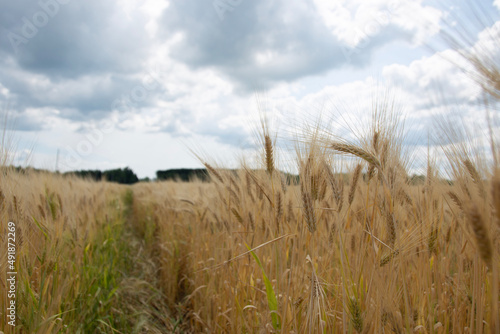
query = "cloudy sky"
{"x": 108, "y": 84}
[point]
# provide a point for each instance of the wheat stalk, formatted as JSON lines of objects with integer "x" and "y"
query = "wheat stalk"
{"x": 375, "y": 141}
{"x": 495, "y": 191}
{"x": 354, "y": 183}
{"x": 476, "y": 178}
{"x": 456, "y": 200}
{"x": 237, "y": 216}
{"x": 359, "y": 152}
{"x": 213, "y": 171}
{"x": 309, "y": 211}
{"x": 268, "y": 145}
{"x": 356, "y": 314}
{"x": 391, "y": 229}
{"x": 481, "y": 234}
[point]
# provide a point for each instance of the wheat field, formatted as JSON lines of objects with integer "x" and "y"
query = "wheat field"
{"x": 364, "y": 249}
{"x": 353, "y": 243}
{"x": 367, "y": 250}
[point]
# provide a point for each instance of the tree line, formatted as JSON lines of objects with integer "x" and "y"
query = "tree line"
{"x": 119, "y": 175}
{"x": 127, "y": 175}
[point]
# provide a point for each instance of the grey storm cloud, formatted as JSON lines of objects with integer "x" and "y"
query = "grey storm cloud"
{"x": 16, "y": 121}
{"x": 87, "y": 97}
{"x": 230, "y": 36}
{"x": 84, "y": 58}
{"x": 67, "y": 38}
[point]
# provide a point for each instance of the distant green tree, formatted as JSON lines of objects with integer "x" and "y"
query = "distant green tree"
{"x": 125, "y": 176}
{"x": 182, "y": 174}
{"x": 119, "y": 175}
{"x": 95, "y": 175}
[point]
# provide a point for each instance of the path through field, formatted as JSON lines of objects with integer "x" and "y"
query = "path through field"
{"x": 139, "y": 296}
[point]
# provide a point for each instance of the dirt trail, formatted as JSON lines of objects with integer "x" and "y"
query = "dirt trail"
{"x": 139, "y": 296}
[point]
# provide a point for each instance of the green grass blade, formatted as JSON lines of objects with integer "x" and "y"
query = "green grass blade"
{"x": 271, "y": 296}
{"x": 40, "y": 227}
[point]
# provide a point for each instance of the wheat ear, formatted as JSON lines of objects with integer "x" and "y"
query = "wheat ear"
{"x": 481, "y": 234}
{"x": 359, "y": 152}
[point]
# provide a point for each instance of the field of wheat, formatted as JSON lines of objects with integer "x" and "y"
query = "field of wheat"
{"x": 353, "y": 244}
{"x": 77, "y": 264}
{"x": 368, "y": 249}
{"x": 350, "y": 240}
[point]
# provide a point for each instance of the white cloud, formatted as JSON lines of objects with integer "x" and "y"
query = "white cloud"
{"x": 4, "y": 91}
{"x": 355, "y": 22}
{"x": 431, "y": 78}
{"x": 426, "y": 90}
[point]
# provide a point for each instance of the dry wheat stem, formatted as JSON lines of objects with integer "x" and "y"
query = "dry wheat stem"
{"x": 243, "y": 254}
{"x": 481, "y": 234}
{"x": 213, "y": 171}
{"x": 355, "y": 178}
{"x": 309, "y": 211}
{"x": 346, "y": 148}
{"x": 269, "y": 154}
